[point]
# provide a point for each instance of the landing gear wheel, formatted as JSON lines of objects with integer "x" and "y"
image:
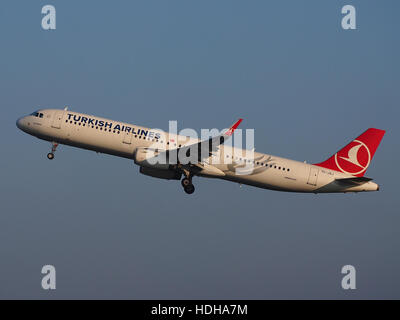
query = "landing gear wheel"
{"x": 189, "y": 189}
{"x": 185, "y": 182}
{"x": 54, "y": 146}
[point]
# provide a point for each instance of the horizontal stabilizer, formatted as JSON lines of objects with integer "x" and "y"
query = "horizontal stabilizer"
{"x": 354, "y": 180}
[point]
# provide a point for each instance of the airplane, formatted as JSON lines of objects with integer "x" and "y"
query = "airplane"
{"x": 342, "y": 172}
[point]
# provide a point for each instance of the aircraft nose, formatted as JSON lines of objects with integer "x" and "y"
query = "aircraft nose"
{"x": 22, "y": 124}
{"x": 19, "y": 123}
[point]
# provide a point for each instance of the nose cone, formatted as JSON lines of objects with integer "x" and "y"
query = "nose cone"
{"x": 23, "y": 124}
{"x": 20, "y": 123}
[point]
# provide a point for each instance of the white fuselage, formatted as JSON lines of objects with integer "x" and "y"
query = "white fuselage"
{"x": 123, "y": 139}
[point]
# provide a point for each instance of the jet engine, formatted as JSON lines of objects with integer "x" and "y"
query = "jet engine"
{"x": 150, "y": 158}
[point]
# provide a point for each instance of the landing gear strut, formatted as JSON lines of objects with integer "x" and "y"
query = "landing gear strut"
{"x": 187, "y": 182}
{"x": 50, "y": 155}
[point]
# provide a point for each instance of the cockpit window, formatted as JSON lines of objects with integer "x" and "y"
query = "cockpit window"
{"x": 37, "y": 114}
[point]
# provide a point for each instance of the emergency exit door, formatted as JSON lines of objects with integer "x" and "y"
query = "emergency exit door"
{"x": 127, "y": 137}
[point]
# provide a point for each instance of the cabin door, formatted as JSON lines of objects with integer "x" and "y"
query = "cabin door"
{"x": 57, "y": 118}
{"x": 312, "y": 178}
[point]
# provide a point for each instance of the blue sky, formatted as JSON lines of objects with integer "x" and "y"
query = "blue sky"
{"x": 303, "y": 83}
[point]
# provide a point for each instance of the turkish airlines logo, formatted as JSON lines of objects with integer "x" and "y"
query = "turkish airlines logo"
{"x": 354, "y": 158}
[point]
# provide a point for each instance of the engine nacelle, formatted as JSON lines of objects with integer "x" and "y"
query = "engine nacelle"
{"x": 161, "y": 173}
{"x": 145, "y": 157}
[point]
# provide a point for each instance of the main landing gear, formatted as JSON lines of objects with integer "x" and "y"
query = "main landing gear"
{"x": 187, "y": 183}
{"x": 50, "y": 155}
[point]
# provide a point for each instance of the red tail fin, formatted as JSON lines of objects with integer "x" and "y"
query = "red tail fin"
{"x": 355, "y": 158}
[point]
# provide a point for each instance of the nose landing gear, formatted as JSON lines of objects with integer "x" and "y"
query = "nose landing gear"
{"x": 50, "y": 155}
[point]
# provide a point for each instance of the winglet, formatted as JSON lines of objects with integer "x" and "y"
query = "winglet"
{"x": 230, "y": 131}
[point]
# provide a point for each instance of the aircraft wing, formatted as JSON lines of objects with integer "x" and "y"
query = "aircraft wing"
{"x": 205, "y": 148}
